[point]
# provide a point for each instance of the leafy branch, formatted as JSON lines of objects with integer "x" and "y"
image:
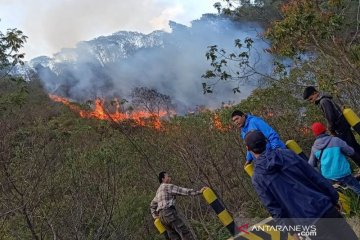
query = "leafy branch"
{"x": 10, "y": 44}
{"x": 235, "y": 67}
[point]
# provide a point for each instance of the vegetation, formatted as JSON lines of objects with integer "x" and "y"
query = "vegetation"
{"x": 65, "y": 176}
{"x": 10, "y": 44}
{"x": 312, "y": 43}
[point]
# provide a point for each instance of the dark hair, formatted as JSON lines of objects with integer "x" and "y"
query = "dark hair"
{"x": 256, "y": 141}
{"x": 237, "y": 113}
{"x": 161, "y": 176}
{"x": 309, "y": 91}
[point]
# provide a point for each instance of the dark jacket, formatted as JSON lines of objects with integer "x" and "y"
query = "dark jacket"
{"x": 336, "y": 121}
{"x": 290, "y": 188}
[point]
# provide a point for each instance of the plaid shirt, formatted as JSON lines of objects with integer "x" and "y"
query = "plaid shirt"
{"x": 165, "y": 197}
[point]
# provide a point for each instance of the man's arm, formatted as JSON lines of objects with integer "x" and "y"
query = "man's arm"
{"x": 249, "y": 157}
{"x": 153, "y": 207}
{"x": 271, "y": 135}
{"x": 331, "y": 114}
{"x": 313, "y": 161}
{"x": 345, "y": 149}
{"x": 176, "y": 190}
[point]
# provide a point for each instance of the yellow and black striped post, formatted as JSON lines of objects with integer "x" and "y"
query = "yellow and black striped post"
{"x": 220, "y": 210}
{"x": 352, "y": 119}
{"x": 249, "y": 169}
{"x": 344, "y": 202}
{"x": 292, "y": 145}
{"x": 160, "y": 227}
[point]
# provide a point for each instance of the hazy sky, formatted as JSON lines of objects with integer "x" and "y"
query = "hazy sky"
{"x": 55, "y": 24}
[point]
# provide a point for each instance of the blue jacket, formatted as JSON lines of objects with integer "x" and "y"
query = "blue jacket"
{"x": 256, "y": 123}
{"x": 334, "y": 164}
{"x": 290, "y": 188}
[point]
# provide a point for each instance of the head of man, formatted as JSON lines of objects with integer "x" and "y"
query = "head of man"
{"x": 318, "y": 128}
{"x": 311, "y": 94}
{"x": 255, "y": 142}
{"x": 238, "y": 118}
{"x": 164, "y": 177}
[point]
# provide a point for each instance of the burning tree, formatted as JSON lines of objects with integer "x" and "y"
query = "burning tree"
{"x": 151, "y": 100}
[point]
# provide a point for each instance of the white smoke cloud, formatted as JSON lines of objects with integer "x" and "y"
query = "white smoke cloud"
{"x": 174, "y": 69}
{"x": 55, "y": 24}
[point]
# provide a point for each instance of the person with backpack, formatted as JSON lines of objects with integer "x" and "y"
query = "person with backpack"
{"x": 328, "y": 153}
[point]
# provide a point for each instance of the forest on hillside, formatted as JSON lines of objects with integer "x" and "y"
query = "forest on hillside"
{"x": 63, "y": 176}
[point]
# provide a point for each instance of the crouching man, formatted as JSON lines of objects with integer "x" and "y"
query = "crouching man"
{"x": 329, "y": 154}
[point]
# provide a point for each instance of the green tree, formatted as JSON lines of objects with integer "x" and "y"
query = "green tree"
{"x": 241, "y": 66}
{"x": 322, "y": 38}
{"x": 319, "y": 40}
{"x": 10, "y": 44}
{"x": 260, "y": 11}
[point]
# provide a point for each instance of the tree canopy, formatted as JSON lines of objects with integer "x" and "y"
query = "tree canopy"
{"x": 10, "y": 44}
{"x": 311, "y": 42}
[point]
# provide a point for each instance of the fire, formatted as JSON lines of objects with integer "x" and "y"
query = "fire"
{"x": 218, "y": 124}
{"x": 305, "y": 130}
{"x": 99, "y": 112}
{"x": 64, "y": 101}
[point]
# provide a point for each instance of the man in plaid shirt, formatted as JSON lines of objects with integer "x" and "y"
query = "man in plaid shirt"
{"x": 163, "y": 207}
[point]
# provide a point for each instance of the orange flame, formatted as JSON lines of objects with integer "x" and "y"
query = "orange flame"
{"x": 305, "y": 130}
{"x": 218, "y": 124}
{"x": 139, "y": 117}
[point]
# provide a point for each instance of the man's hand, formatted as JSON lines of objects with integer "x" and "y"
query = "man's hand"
{"x": 203, "y": 189}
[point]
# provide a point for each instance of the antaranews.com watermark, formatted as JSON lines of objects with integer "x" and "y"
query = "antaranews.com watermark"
{"x": 301, "y": 230}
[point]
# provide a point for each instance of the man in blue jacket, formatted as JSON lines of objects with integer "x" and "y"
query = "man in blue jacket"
{"x": 330, "y": 153}
{"x": 247, "y": 123}
{"x": 295, "y": 193}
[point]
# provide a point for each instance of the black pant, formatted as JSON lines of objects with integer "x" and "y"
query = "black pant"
{"x": 332, "y": 226}
{"x": 347, "y": 135}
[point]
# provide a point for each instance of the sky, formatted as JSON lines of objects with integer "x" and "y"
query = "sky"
{"x": 54, "y": 24}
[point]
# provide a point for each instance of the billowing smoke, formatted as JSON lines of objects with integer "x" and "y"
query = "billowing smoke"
{"x": 172, "y": 63}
